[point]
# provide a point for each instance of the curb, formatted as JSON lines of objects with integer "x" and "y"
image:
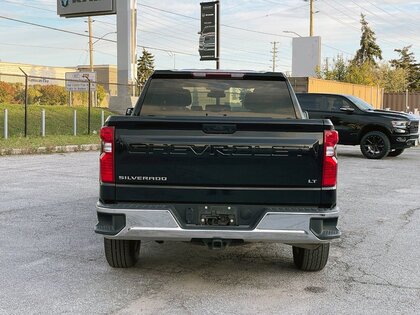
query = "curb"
{"x": 48, "y": 150}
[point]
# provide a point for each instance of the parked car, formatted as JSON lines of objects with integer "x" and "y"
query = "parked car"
{"x": 379, "y": 133}
{"x": 218, "y": 158}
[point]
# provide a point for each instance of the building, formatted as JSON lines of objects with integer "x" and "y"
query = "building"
{"x": 10, "y": 72}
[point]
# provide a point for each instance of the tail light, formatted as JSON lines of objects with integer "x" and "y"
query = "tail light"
{"x": 329, "y": 176}
{"x": 106, "y": 159}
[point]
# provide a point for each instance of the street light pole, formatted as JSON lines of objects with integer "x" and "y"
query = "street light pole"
{"x": 291, "y": 32}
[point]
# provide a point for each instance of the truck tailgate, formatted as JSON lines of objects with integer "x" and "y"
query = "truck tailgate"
{"x": 205, "y": 162}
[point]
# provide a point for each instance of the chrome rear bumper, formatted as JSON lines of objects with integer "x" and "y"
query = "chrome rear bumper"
{"x": 161, "y": 224}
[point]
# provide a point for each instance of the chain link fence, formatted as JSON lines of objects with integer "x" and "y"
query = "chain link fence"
{"x": 38, "y": 106}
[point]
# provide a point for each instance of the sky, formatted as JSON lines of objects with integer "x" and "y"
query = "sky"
{"x": 247, "y": 31}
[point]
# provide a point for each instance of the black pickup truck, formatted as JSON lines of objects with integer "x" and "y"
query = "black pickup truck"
{"x": 218, "y": 158}
{"x": 379, "y": 133}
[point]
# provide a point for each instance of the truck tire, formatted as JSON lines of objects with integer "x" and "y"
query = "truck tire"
{"x": 311, "y": 259}
{"x": 375, "y": 145}
{"x": 121, "y": 253}
{"x": 396, "y": 152}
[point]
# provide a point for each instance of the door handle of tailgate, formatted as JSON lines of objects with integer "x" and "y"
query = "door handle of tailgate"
{"x": 219, "y": 129}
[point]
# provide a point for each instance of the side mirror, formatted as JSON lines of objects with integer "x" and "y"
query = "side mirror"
{"x": 347, "y": 109}
{"x": 305, "y": 115}
{"x": 129, "y": 111}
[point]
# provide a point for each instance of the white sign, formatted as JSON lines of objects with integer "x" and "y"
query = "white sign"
{"x": 78, "y": 81}
{"x": 77, "y": 8}
{"x": 306, "y": 56}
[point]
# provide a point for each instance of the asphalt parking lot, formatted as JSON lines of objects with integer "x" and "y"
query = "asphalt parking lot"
{"x": 52, "y": 262}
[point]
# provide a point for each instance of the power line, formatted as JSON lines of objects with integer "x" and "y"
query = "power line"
{"x": 27, "y": 6}
{"x": 44, "y": 47}
{"x": 170, "y": 37}
{"x": 234, "y": 27}
{"x": 403, "y": 11}
{"x": 374, "y": 14}
{"x": 94, "y": 37}
{"x": 225, "y": 25}
{"x": 385, "y": 41}
{"x": 112, "y": 41}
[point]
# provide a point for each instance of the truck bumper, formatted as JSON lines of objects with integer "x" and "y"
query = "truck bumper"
{"x": 158, "y": 223}
{"x": 404, "y": 141}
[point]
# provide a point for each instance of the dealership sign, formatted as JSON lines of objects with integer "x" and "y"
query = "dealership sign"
{"x": 209, "y": 34}
{"x": 78, "y": 81}
{"x": 78, "y": 8}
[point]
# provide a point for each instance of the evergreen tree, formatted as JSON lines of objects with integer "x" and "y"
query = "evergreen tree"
{"x": 408, "y": 62}
{"x": 145, "y": 68}
{"x": 369, "y": 50}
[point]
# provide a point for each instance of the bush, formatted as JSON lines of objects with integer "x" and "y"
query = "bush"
{"x": 34, "y": 95}
{"x": 53, "y": 95}
{"x": 43, "y": 95}
{"x": 8, "y": 92}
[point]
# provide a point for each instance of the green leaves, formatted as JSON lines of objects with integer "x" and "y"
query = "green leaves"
{"x": 369, "y": 50}
{"x": 408, "y": 63}
{"x": 145, "y": 68}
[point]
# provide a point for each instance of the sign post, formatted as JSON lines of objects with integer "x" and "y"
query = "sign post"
{"x": 76, "y": 81}
{"x": 209, "y": 44}
{"x": 26, "y": 103}
{"x": 86, "y": 76}
{"x": 82, "y": 82}
{"x": 72, "y": 8}
{"x": 126, "y": 11}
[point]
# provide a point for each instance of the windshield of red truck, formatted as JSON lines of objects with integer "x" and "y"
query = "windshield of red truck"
{"x": 218, "y": 98}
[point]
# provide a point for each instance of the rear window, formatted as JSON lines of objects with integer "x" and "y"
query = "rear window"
{"x": 310, "y": 102}
{"x": 215, "y": 97}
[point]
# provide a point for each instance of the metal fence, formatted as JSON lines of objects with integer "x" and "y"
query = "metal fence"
{"x": 404, "y": 102}
{"x": 38, "y": 105}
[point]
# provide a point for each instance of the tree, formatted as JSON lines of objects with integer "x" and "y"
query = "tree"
{"x": 390, "y": 78}
{"x": 337, "y": 72}
{"x": 361, "y": 74}
{"x": 34, "y": 94}
{"x": 52, "y": 95}
{"x": 145, "y": 68}
{"x": 7, "y": 92}
{"x": 100, "y": 94}
{"x": 369, "y": 50}
{"x": 408, "y": 63}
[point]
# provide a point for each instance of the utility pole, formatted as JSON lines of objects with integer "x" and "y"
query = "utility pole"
{"x": 91, "y": 57}
{"x": 311, "y": 26}
{"x": 90, "y": 44}
{"x": 311, "y": 16}
{"x": 274, "y": 52}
